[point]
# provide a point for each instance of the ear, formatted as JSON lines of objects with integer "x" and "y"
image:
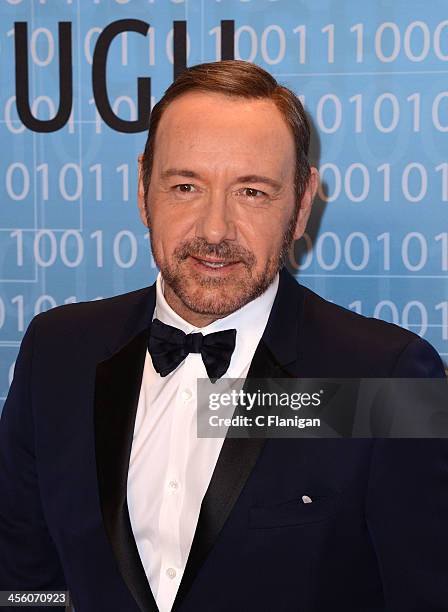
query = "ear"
{"x": 306, "y": 203}
{"x": 141, "y": 193}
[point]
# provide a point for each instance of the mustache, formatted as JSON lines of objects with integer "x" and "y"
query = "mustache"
{"x": 199, "y": 247}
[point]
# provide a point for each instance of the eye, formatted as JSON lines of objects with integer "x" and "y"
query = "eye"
{"x": 184, "y": 188}
{"x": 252, "y": 193}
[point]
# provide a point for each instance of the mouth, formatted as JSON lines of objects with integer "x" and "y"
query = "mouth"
{"x": 213, "y": 264}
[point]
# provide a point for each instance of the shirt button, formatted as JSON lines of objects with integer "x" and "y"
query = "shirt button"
{"x": 173, "y": 485}
{"x": 171, "y": 572}
{"x": 186, "y": 395}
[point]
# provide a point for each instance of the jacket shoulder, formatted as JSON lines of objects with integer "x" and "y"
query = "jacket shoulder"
{"x": 354, "y": 345}
{"x": 96, "y": 319}
{"x": 332, "y": 317}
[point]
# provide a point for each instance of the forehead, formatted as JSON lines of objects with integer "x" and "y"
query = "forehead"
{"x": 225, "y": 130}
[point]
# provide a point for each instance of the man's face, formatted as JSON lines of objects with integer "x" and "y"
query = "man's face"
{"x": 221, "y": 202}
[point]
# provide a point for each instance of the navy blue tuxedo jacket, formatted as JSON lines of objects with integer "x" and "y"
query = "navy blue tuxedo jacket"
{"x": 375, "y": 537}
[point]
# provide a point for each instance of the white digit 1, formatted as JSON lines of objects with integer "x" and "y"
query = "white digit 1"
{"x": 415, "y": 99}
{"x": 330, "y": 30}
{"x": 97, "y": 169}
{"x": 18, "y": 234}
{"x": 359, "y": 30}
{"x": 443, "y": 168}
{"x": 301, "y": 31}
{"x": 443, "y": 306}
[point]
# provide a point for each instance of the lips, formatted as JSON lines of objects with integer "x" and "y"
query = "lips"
{"x": 214, "y": 263}
{"x": 213, "y": 266}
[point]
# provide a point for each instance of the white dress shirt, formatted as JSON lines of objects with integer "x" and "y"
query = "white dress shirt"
{"x": 170, "y": 467}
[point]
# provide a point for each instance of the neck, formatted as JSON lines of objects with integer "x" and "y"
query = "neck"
{"x": 194, "y": 318}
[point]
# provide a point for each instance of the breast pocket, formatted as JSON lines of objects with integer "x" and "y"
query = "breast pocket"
{"x": 295, "y": 511}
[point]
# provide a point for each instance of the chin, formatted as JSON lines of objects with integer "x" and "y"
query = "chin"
{"x": 219, "y": 298}
{"x": 214, "y": 299}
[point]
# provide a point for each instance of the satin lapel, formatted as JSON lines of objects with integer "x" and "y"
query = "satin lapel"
{"x": 275, "y": 357}
{"x": 117, "y": 387}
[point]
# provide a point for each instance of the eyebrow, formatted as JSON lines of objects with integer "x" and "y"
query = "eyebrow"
{"x": 247, "y": 178}
{"x": 178, "y": 172}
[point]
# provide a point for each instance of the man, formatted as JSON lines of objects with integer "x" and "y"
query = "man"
{"x": 107, "y": 491}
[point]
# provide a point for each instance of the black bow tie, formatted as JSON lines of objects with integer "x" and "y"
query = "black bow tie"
{"x": 168, "y": 347}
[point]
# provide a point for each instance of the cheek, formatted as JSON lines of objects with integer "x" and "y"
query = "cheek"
{"x": 264, "y": 236}
{"x": 167, "y": 234}
{"x": 174, "y": 216}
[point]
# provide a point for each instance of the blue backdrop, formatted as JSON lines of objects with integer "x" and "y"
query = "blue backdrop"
{"x": 372, "y": 75}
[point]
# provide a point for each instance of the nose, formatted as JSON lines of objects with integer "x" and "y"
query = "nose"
{"x": 216, "y": 222}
